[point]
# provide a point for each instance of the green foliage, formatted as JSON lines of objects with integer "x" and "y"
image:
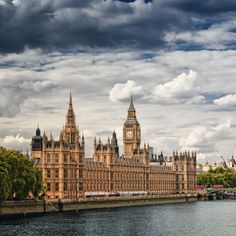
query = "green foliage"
{"x": 18, "y": 176}
{"x": 5, "y": 183}
{"x": 219, "y": 176}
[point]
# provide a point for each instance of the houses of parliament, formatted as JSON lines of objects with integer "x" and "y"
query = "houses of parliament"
{"x": 68, "y": 174}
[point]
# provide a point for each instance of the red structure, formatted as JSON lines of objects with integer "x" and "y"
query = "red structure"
{"x": 218, "y": 186}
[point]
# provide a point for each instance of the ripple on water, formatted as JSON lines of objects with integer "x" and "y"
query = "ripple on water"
{"x": 216, "y": 218}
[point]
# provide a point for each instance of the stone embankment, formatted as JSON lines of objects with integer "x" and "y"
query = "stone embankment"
{"x": 31, "y": 207}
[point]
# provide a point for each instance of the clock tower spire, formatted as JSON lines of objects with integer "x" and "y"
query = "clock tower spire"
{"x": 131, "y": 132}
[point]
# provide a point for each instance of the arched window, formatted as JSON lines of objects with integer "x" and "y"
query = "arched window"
{"x": 48, "y": 158}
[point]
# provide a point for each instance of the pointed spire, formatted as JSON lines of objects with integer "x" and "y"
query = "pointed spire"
{"x": 70, "y": 117}
{"x": 61, "y": 136}
{"x": 70, "y": 102}
{"x": 51, "y": 137}
{"x": 131, "y": 106}
{"x": 38, "y": 131}
{"x": 83, "y": 138}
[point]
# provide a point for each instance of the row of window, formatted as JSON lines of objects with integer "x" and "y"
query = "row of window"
{"x": 72, "y": 172}
{"x": 49, "y": 187}
{"x": 189, "y": 167}
{"x": 164, "y": 186}
{"x": 182, "y": 167}
{"x": 65, "y": 157}
{"x": 179, "y": 186}
{"x": 52, "y": 187}
{"x": 163, "y": 177}
{"x": 49, "y": 158}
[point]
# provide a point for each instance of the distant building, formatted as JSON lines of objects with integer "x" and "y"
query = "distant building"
{"x": 229, "y": 163}
{"x": 68, "y": 174}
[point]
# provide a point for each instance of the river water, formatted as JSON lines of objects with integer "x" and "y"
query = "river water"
{"x": 200, "y": 218}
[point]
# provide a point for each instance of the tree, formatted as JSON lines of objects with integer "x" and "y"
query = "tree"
{"x": 206, "y": 179}
{"x": 5, "y": 183}
{"x": 18, "y": 176}
{"x": 38, "y": 186}
{"x": 219, "y": 176}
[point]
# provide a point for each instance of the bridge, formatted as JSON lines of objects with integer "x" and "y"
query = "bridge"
{"x": 222, "y": 193}
{"x": 223, "y": 190}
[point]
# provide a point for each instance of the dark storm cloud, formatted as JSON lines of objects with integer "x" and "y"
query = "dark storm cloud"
{"x": 76, "y": 24}
{"x": 14, "y": 91}
{"x": 202, "y": 6}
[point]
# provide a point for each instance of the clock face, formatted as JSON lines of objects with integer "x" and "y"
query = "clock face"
{"x": 129, "y": 134}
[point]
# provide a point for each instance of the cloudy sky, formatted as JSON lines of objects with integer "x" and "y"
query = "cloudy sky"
{"x": 177, "y": 57}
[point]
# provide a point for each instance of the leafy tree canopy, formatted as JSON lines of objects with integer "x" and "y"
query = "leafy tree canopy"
{"x": 18, "y": 176}
{"x": 218, "y": 176}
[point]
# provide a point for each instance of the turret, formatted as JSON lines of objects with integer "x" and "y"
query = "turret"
{"x": 114, "y": 144}
{"x": 108, "y": 153}
{"x": 36, "y": 142}
{"x": 95, "y": 145}
{"x": 145, "y": 156}
{"x": 83, "y": 142}
{"x": 51, "y": 140}
{"x": 38, "y": 131}
{"x": 44, "y": 140}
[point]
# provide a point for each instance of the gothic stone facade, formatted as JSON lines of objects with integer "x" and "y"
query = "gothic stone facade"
{"x": 68, "y": 174}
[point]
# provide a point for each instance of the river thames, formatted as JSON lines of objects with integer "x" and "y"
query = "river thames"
{"x": 200, "y": 218}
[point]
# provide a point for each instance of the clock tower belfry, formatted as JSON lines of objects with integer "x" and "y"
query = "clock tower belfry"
{"x": 131, "y": 132}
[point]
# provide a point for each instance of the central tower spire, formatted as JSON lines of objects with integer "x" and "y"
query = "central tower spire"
{"x": 70, "y": 132}
{"x": 70, "y": 117}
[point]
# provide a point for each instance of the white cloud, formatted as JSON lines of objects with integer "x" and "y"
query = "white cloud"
{"x": 15, "y": 139}
{"x": 204, "y": 138}
{"x": 91, "y": 75}
{"x": 16, "y": 2}
{"x": 218, "y": 36}
{"x": 228, "y": 100}
{"x": 2, "y": 2}
{"x": 19, "y": 142}
{"x": 123, "y": 91}
{"x": 37, "y": 86}
{"x": 183, "y": 87}
{"x": 198, "y": 99}
{"x": 211, "y": 157}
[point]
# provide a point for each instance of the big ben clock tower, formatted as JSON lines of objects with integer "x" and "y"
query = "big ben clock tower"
{"x": 131, "y": 132}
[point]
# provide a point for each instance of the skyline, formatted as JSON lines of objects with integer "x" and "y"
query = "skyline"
{"x": 180, "y": 71}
